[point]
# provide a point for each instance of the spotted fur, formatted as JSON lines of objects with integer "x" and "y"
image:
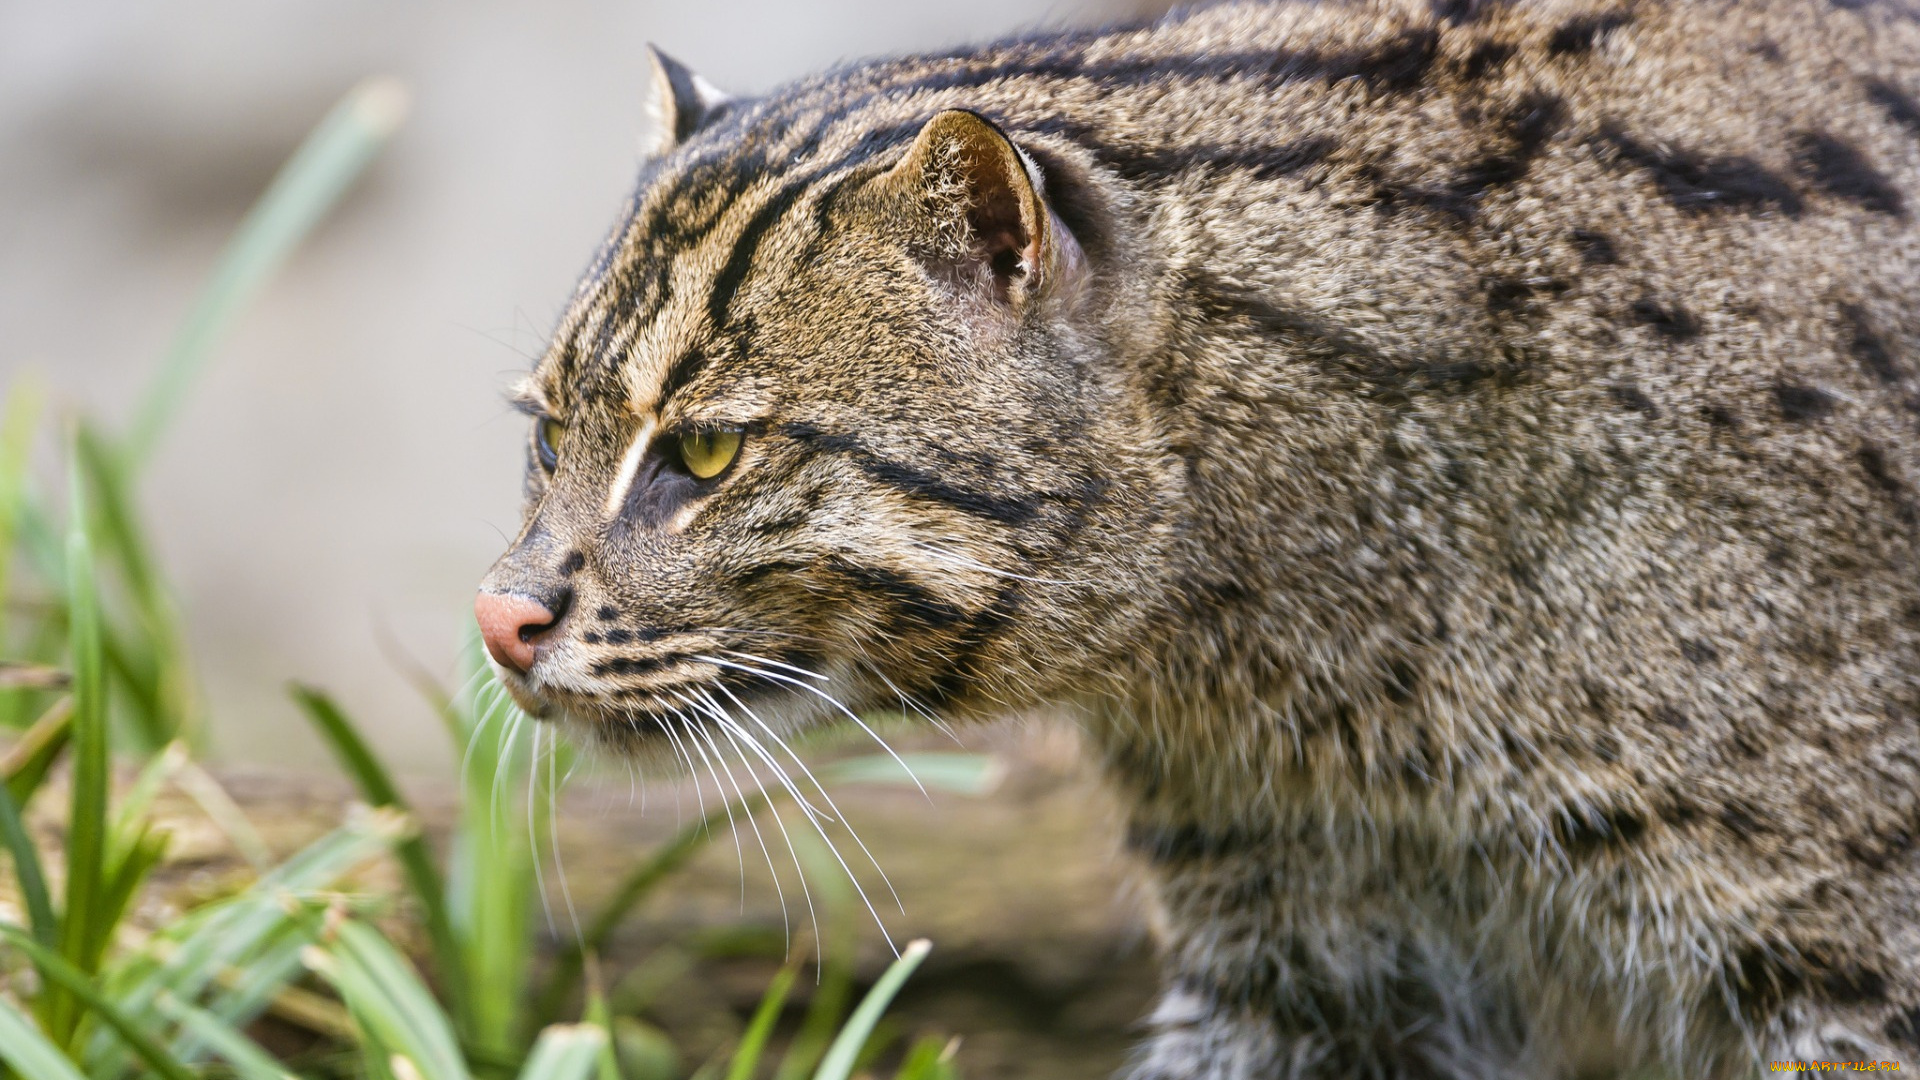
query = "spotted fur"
{"x": 1456, "y": 459}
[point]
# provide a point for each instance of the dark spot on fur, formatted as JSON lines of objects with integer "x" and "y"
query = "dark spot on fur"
{"x": 1905, "y": 1029}
{"x": 1767, "y": 50}
{"x": 1526, "y": 127}
{"x": 1802, "y": 403}
{"x": 635, "y": 665}
{"x": 1400, "y": 64}
{"x": 1762, "y": 976}
{"x": 1458, "y": 12}
{"x": 1204, "y": 593}
{"x": 1485, "y": 57}
{"x": 1719, "y": 416}
{"x": 1631, "y": 397}
{"x": 1879, "y": 472}
{"x": 1873, "y": 462}
{"x": 1671, "y": 717}
{"x": 1673, "y": 322}
{"x": 1680, "y": 812}
{"x": 1507, "y": 295}
{"x": 1843, "y": 171}
{"x": 1399, "y": 681}
{"x": 1899, "y": 105}
{"x": 1878, "y": 848}
{"x": 1595, "y": 248}
{"x": 607, "y": 613}
{"x": 1852, "y": 984}
{"x": 1584, "y": 830}
{"x": 591, "y": 637}
{"x": 1579, "y": 34}
{"x": 572, "y": 564}
{"x": 1740, "y": 821}
{"x": 1697, "y": 651}
{"x": 1867, "y": 346}
{"x": 1174, "y": 844}
{"x": 1699, "y": 183}
{"x": 619, "y": 637}
{"x": 1597, "y": 697}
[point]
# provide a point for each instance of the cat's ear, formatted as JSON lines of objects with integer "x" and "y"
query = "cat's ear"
{"x": 994, "y": 228}
{"x": 683, "y": 102}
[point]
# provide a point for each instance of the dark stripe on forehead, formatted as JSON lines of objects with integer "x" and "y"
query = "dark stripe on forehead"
{"x": 1005, "y": 509}
{"x": 747, "y": 245}
{"x": 726, "y": 284}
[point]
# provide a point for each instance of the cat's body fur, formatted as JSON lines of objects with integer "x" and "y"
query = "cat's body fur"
{"x": 1458, "y": 461}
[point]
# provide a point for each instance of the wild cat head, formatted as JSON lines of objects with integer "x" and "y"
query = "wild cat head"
{"x": 825, "y": 429}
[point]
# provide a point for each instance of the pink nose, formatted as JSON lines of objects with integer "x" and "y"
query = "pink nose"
{"x": 512, "y": 625}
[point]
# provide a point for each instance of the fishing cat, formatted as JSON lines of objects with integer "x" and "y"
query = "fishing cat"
{"x": 1457, "y": 460}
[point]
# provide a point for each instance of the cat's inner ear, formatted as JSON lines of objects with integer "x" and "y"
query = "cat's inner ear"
{"x": 993, "y": 226}
{"x": 683, "y": 102}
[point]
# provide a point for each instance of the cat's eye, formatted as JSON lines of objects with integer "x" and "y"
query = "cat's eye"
{"x": 547, "y": 435}
{"x": 706, "y": 454}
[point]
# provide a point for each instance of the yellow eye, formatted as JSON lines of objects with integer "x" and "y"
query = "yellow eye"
{"x": 546, "y": 436}
{"x": 706, "y": 454}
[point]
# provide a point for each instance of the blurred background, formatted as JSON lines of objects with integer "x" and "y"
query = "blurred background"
{"x": 347, "y": 470}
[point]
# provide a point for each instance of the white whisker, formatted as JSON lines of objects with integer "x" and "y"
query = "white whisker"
{"x": 736, "y": 734}
{"x": 836, "y": 703}
{"x": 778, "y": 664}
{"x": 553, "y": 835}
{"x": 533, "y": 837}
{"x": 733, "y": 827}
{"x": 828, "y": 799}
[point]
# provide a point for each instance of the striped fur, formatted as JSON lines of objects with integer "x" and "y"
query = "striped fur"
{"x": 1457, "y": 459}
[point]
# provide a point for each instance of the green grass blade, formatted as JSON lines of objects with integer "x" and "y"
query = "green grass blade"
{"x": 565, "y": 1052}
{"x": 81, "y": 985}
{"x": 144, "y": 852}
{"x": 32, "y": 755}
{"x": 490, "y": 877}
{"x": 131, "y": 818}
{"x": 388, "y": 998}
{"x": 29, "y": 1053}
{"x": 16, "y": 449}
{"x": 833, "y": 896}
{"x": 248, "y": 1061}
{"x": 930, "y": 1059}
{"x": 754, "y": 1043}
{"x": 241, "y": 934}
{"x": 153, "y": 665}
{"x": 838, "y": 1064}
{"x": 601, "y": 1017}
{"x": 308, "y": 186}
{"x": 27, "y": 872}
{"x": 82, "y": 933}
{"x": 415, "y": 860}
